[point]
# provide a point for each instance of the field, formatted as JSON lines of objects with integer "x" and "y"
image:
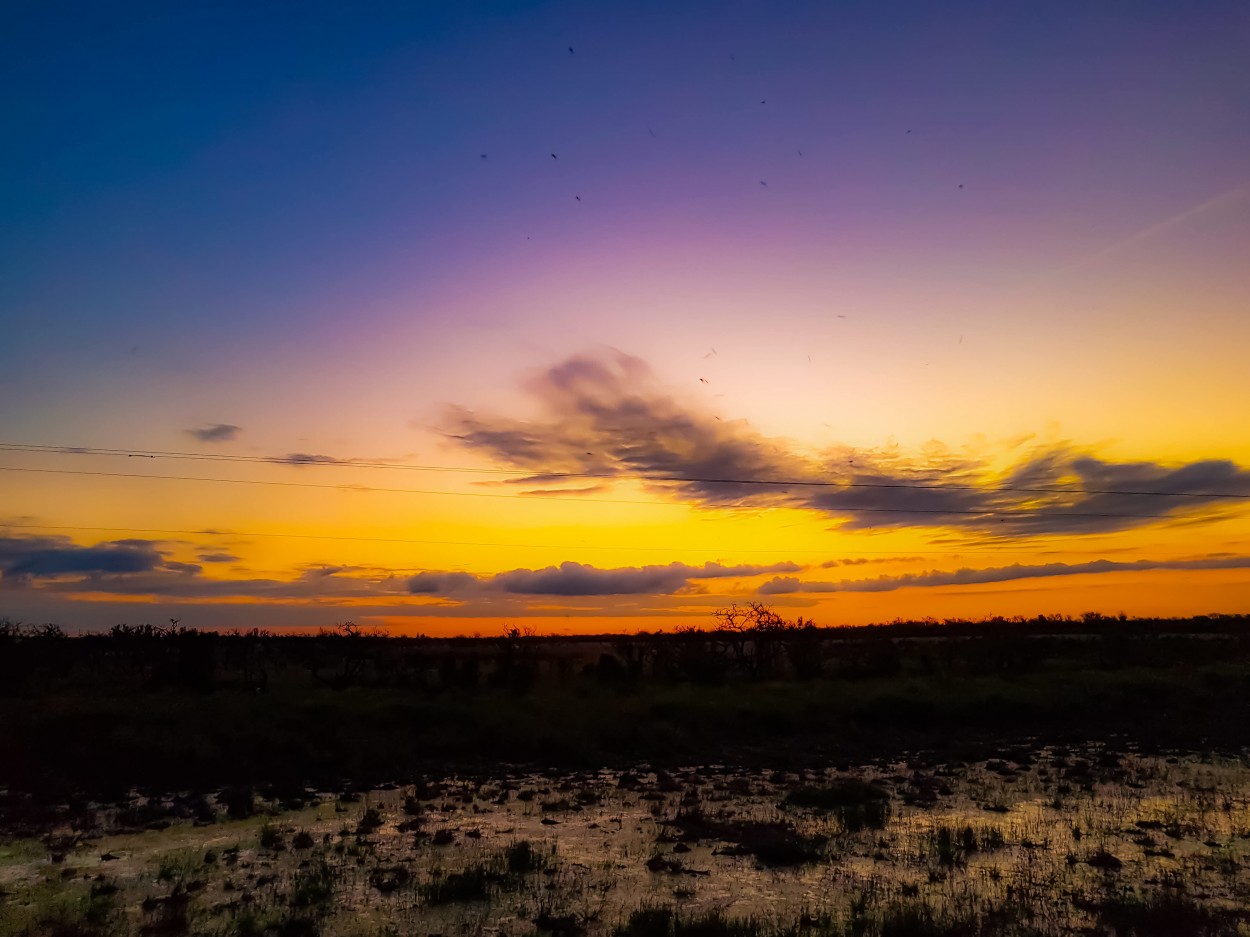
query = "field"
{"x": 1020, "y": 778}
{"x": 1054, "y": 841}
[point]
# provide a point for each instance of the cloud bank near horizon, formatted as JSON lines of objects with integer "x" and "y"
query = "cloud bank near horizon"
{"x": 55, "y": 566}
{"x": 787, "y": 585}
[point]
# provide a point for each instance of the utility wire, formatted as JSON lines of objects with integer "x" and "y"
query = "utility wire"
{"x": 363, "y": 489}
{"x": 632, "y": 476}
{"x": 208, "y": 532}
{"x": 1019, "y": 513}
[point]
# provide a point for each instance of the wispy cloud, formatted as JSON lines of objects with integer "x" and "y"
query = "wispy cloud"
{"x": 608, "y": 416}
{"x": 784, "y": 585}
{"x": 216, "y": 432}
{"x": 139, "y": 567}
{"x": 310, "y": 458}
{"x": 571, "y": 579}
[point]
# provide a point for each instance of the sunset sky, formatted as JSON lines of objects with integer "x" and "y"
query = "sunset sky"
{"x": 443, "y": 317}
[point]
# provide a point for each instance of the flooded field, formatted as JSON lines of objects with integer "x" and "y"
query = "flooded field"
{"x": 1040, "y": 841}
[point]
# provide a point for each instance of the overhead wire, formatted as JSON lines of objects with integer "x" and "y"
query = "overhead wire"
{"x": 210, "y": 532}
{"x": 309, "y": 461}
{"x": 855, "y": 508}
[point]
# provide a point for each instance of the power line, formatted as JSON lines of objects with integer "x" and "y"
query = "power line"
{"x": 961, "y": 512}
{"x": 362, "y": 489}
{"x": 208, "y": 532}
{"x": 312, "y": 461}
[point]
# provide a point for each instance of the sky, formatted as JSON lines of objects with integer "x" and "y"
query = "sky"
{"x": 443, "y": 318}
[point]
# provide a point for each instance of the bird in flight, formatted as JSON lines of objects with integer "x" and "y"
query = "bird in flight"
{"x": 553, "y": 156}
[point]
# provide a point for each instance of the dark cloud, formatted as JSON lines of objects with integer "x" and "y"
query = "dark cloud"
{"x": 580, "y": 579}
{"x": 570, "y": 579}
{"x": 441, "y": 583}
{"x": 217, "y": 432}
{"x": 308, "y": 458}
{"x": 217, "y": 558}
{"x": 36, "y": 557}
{"x": 606, "y": 416}
{"x": 324, "y": 572}
{"x": 55, "y": 565}
{"x": 783, "y": 585}
{"x": 867, "y": 560}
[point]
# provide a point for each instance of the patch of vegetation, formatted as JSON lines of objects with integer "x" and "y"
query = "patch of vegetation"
{"x": 470, "y": 884}
{"x": 370, "y": 822}
{"x": 521, "y": 858}
{"x": 1165, "y": 914}
{"x": 271, "y": 838}
{"x": 416, "y": 703}
{"x": 390, "y": 879}
{"x": 857, "y": 804}
{"x": 668, "y": 922}
{"x": 951, "y": 846}
{"x": 313, "y": 886}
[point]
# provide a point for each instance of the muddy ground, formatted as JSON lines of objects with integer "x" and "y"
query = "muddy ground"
{"x": 1049, "y": 840}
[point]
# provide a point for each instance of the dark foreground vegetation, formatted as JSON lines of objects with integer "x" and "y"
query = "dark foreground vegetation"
{"x": 179, "y": 709}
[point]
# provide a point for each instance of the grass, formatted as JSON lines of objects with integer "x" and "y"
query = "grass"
{"x": 951, "y": 846}
{"x": 857, "y": 804}
{"x": 667, "y": 922}
{"x": 313, "y": 886}
{"x": 470, "y": 884}
{"x": 109, "y": 738}
{"x": 1165, "y": 914}
{"x": 521, "y": 858}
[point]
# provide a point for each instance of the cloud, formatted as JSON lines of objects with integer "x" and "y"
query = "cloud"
{"x": 867, "y": 560}
{"x": 24, "y": 558}
{"x": 580, "y": 579}
{"x": 430, "y": 583}
{"x": 785, "y": 585}
{"x": 607, "y": 416}
{"x": 571, "y": 579}
{"x": 308, "y": 458}
{"x": 305, "y": 458}
{"x": 217, "y": 558}
{"x": 55, "y": 566}
{"x": 217, "y": 432}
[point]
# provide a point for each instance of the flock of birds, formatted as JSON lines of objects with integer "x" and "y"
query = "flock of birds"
{"x": 652, "y": 132}
{"x": 763, "y": 182}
